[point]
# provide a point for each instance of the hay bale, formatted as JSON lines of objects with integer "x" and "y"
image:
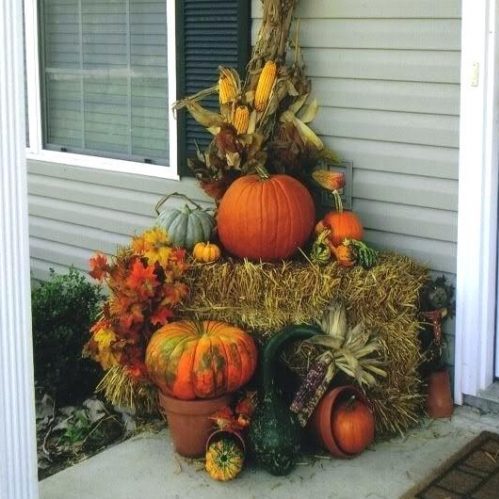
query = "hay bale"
{"x": 264, "y": 297}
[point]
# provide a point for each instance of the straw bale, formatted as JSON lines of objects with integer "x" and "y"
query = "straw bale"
{"x": 264, "y": 297}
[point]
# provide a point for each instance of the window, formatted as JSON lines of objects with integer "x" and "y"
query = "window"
{"x": 105, "y": 78}
{"x": 102, "y": 76}
{"x": 104, "y": 83}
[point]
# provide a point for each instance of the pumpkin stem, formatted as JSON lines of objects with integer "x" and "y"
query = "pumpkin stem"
{"x": 338, "y": 203}
{"x": 262, "y": 172}
{"x": 180, "y": 195}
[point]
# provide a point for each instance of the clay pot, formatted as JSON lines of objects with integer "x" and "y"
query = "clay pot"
{"x": 439, "y": 398}
{"x": 232, "y": 434}
{"x": 189, "y": 422}
{"x": 321, "y": 422}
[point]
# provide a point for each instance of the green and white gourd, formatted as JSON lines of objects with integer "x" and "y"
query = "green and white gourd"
{"x": 185, "y": 226}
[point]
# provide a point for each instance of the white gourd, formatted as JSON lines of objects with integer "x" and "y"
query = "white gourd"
{"x": 185, "y": 226}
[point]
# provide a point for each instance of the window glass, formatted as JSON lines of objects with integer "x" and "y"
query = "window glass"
{"x": 105, "y": 78}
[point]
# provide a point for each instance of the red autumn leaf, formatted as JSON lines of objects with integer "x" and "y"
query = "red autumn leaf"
{"x": 98, "y": 266}
{"x": 224, "y": 418}
{"x": 132, "y": 316}
{"x": 137, "y": 370}
{"x": 161, "y": 316}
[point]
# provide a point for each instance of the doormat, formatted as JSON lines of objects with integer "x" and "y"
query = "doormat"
{"x": 473, "y": 472}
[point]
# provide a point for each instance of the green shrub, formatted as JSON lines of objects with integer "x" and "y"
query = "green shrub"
{"x": 63, "y": 310}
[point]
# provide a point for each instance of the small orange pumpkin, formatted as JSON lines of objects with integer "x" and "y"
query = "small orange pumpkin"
{"x": 189, "y": 359}
{"x": 206, "y": 252}
{"x": 342, "y": 224}
{"x": 353, "y": 426}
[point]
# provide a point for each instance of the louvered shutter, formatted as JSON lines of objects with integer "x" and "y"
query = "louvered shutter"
{"x": 105, "y": 78}
{"x": 209, "y": 33}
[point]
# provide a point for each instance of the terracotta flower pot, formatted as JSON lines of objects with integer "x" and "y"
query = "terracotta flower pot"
{"x": 321, "y": 422}
{"x": 189, "y": 422}
{"x": 439, "y": 402}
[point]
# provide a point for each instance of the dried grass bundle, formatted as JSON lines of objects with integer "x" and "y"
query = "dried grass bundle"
{"x": 121, "y": 390}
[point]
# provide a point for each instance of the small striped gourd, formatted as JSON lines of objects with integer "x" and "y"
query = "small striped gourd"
{"x": 224, "y": 459}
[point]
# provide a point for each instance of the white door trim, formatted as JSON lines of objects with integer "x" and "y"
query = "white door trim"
{"x": 18, "y": 467}
{"x": 477, "y": 216}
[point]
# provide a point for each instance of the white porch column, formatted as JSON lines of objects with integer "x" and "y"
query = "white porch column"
{"x": 478, "y": 187}
{"x": 18, "y": 470}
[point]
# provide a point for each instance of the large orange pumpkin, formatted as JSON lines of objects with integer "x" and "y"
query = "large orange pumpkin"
{"x": 265, "y": 217}
{"x": 188, "y": 359}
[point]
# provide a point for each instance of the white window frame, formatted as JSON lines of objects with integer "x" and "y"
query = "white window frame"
{"x": 36, "y": 151}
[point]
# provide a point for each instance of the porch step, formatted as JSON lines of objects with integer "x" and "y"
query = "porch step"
{"x": 487, "y": 400}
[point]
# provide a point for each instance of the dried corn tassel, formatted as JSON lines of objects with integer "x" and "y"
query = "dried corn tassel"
{"x": 264, "y": 85}
{"x": 329, "y": 180}
{"x": 228, "y": 85}
{"x": 241, "y": 119}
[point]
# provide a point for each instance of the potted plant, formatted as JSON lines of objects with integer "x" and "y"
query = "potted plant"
{"x": 437, "y": 304}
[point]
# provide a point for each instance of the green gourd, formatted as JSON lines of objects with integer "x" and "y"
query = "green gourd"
{"x": 185, "y": 226}
{"x": 275, "y": 434}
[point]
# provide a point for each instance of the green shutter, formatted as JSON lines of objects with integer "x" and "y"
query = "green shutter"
{"x": 209, "y": 33}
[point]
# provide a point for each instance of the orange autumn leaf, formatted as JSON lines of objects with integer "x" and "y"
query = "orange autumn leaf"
{"x": 99, "y": 267}
{"x": 142, "y": 279}
{"x": 173, "y": 293}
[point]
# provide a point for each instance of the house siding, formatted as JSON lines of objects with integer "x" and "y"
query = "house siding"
{"x": 386, "y": 75}
{"x": 77, "y": 211}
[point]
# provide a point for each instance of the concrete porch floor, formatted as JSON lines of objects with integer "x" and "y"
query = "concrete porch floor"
{"x": 146, "y": 467}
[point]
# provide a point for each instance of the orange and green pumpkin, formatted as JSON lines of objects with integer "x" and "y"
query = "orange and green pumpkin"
{"x": 265, "y": 217}
{"x": 189, "y": 359}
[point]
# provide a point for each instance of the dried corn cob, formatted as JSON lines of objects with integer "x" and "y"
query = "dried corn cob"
{"x": 264, "y": 85}
{"x": 313, "y": 387}
{"x": 241, "y": 119}
{"x": 228, "y": 85}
